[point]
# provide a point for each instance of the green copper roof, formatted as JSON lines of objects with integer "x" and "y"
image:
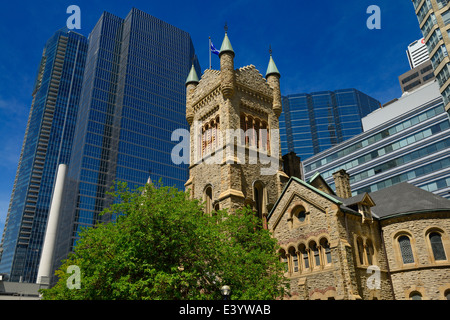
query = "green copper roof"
{"x": 192, "y": 77}
{"x": 226, "y": 45}
{"x": 272, "y": 68}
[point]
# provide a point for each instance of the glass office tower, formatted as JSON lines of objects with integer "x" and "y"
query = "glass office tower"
{"x": 133, "y": 99}
{"x": 311, "y": 123}
{"x": 47, "y": 143}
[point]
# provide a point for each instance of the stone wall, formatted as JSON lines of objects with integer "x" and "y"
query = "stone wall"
{"x": 430, "y": 278}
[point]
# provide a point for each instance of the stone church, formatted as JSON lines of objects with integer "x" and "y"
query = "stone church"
{"x": 389, "y": 244}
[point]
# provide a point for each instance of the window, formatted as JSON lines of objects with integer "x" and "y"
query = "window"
{"x": 441, "y": 3}
{"x": 294, "y": 259}
{"x": 447, "y": 294}
{"x": 369, "y": 252}
{"x": 405, "y": 249}
{"x": 300, "y": 214}
{"x": 208, "y": 200}
{"x": 326, "y": 250}
{"x": 305, "y": 258}
{"x": 360, "y": 245}
{"x": 284, "y": 260}
{"x": 316, "y": 255}
{"x": 446, "y": 17}
{"x": 415, "y": 295}
{"x": 437, "y": 247}
{"x": 259, "y": 199}
{"x": 256, "y": 133}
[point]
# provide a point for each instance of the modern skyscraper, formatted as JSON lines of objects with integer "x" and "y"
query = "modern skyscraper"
{"x": 311, "y": 123}
{"x": 47, "y": 143}
{"x": 434, "y": 21}
{"x": 133, "y": 99}
{"x": 417, "y": 53}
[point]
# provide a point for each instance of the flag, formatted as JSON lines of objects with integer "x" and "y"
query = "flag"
{"x": 214, "y": 50}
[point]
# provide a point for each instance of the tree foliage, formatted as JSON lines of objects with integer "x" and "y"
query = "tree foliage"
{"x": 162, "y": 246}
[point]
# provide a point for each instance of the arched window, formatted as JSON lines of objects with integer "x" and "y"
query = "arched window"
{"x": 447, "y": 294}
{"x": 284, "y": 260}
{"x": 258, "y": 190}
{"x": 415, "y": 295}
{"x": 294, "y": 259}
{"x": 360, "y": 245}
{"x": 406, "y": 249}
{"x": 300, "y": 214}
{"x": 369, "y": 252}
{"x": 437, "y": 247}
{"x": 218, "y": 136}
{"x": 326, "y": 250}
{"x": 255, "y": 132}
{"x": 315, "y": 252}
{"x": 208, "y": 200}
{"x": 304, "y": 257}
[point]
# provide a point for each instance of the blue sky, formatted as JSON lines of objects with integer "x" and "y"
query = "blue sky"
{"x": 317, "y": 45}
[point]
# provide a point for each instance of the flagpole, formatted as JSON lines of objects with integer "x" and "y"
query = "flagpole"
{"x": 210, "y": 52}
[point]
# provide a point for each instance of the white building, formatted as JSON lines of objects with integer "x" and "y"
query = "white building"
{"x": 417, "y": 53}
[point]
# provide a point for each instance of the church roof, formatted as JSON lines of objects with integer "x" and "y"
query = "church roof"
{"x": 405, "y": 198}
{"x": 399, "y": 199}
{"x": 297, "y": 180}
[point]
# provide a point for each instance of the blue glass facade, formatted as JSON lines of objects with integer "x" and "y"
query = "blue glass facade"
{"x": 47, "y": 143}
{"x": 133, "y": 99}
{"x": 311, "y": 123}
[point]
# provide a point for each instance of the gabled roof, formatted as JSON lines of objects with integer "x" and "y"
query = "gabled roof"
{"x": 317, "y": 180}
{"x": 399, "y": 199}
{"x": 405, "y": 198}
{"x": 307, "y": 185}
{"x": 359, "y": 198}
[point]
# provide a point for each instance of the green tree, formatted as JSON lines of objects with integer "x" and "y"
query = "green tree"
{"x": 162, "y": 246}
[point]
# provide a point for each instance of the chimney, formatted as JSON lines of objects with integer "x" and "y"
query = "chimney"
{"x": 342, "y": 183}
{"x": 292, "y": 165}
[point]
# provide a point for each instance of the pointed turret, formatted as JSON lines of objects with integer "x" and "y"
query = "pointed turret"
{"x": 227, "y": 67}
{"x": 273, "y": 79}
{"x": 272, "y": 68}
{"x": 226, "y": 46}
{"x": 192, "y": 77}
{"x": 191, "y": 84}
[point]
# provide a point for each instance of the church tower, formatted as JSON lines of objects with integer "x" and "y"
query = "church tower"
{"x": 235, "y": 154}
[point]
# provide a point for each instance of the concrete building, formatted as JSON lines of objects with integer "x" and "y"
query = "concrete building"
{"x": 416, "y": 77}
{"x": 417, "y": 53}
{"x": 19, "y": 290}
{"x": 407, "y": 140}
{"x": 434, "y": 21}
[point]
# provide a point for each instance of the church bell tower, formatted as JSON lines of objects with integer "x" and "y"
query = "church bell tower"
{"x": 235, "y": 153}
